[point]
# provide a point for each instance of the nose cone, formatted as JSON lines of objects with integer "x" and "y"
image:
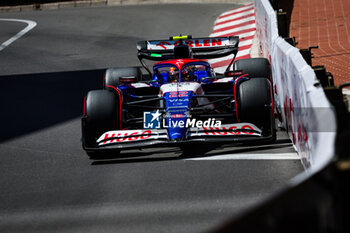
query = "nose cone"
{"x": 177, "y": 128}
{"x": 177, "y": 106}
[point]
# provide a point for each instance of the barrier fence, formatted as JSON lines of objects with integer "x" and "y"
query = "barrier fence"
{"x": 305, "y": 111}
{"x": 314, "y": 201}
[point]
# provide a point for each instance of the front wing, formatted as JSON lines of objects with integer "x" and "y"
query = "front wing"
{"x": 134, "y": 139}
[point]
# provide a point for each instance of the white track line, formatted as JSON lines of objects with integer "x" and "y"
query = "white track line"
{"x": 31, "y": 25}
{"x": 270, "y": 156}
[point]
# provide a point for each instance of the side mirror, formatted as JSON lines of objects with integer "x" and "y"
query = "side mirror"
{"x": 233, "y": 73}
{"x": 130, "y": 79}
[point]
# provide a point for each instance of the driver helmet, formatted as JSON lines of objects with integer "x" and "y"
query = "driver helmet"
{"x": 173, "y": 74}
{"x": 187, "y": 74}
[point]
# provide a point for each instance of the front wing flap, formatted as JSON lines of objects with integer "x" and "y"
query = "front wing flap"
{"x": 134, "y": 139}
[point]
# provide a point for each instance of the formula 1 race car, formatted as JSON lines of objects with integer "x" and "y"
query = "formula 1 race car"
{"x": 181, "y": 101}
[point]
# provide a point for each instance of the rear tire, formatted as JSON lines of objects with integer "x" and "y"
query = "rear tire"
{"x": 102, "y": 114}
{"x": 255, "y": 105}
{"x": 112, "y": 76}
{"x": 254, "y": 67}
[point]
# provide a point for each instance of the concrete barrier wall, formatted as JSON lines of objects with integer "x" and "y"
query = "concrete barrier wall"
{"x": 266, "y": 26}
{"x": 300, "y": 100}
{"x": 305, "y": 110}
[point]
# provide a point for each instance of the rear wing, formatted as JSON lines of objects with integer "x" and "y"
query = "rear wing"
{"x": 202, "y": 48}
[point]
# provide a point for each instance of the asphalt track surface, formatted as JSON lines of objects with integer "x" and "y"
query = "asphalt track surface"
{"x": 47, "y": 182}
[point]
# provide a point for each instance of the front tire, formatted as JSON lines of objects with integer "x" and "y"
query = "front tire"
{"x": 255, "y": 105}
{"x": 102, "y": 114}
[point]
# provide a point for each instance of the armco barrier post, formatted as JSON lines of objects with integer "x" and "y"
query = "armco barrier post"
{"x": 326, "y": 78}
{"x": 291, "y": 41}
{"x": 283, "y": 29}
{"x": 307, "y": 55}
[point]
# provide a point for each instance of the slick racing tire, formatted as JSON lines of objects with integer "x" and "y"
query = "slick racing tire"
{"x": 112, "y": 75}
{"x": 255, "y": 105}
{"x": 101, "y": 114}
{"x": 254, "y": 67}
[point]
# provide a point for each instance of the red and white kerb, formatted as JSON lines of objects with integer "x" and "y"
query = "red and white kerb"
{"x": 237, "y": 22}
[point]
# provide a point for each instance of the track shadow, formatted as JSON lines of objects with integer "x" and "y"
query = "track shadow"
{"x": 31, "y": 102}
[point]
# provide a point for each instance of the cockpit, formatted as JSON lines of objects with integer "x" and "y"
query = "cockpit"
{"x": 190, "y": 72}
